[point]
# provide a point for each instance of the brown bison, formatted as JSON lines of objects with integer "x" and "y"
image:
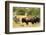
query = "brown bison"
{"x": 32, "y": 20}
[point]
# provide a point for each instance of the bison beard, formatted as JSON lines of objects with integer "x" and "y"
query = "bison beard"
{"x": 32, "y": 20}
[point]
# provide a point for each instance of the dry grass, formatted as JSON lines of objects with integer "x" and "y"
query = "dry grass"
{"x": 24, "y": 24}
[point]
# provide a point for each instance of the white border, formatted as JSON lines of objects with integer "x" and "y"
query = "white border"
{"x": 11, "y": 29}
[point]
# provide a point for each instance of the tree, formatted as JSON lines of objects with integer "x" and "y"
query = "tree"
{"x": 20, "y": 12}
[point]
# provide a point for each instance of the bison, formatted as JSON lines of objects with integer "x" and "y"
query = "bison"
{"x": 32, "y": 20}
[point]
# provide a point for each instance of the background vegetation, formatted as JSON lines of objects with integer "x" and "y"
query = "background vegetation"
{"x": 26, "y": 11}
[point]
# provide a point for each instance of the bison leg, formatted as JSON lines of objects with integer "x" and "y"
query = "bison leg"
{"x": 27, "y": 23}
{"x": 32, "y": 22}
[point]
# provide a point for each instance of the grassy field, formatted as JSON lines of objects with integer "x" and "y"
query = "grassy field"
{"x": 24, "y": 25}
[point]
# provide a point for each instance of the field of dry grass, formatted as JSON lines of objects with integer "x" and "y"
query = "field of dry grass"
{"x": 24, "y": 24}
{"x": 15, "y": 25}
